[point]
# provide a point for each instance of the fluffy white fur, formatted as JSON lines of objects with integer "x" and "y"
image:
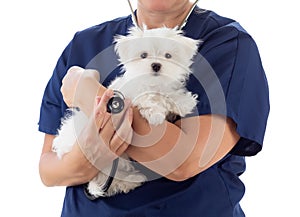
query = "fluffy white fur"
{"x": 157, "y": 94}
{"x": 156, "y": 64}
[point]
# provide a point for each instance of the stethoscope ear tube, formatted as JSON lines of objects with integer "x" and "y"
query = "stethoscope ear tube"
{"x": 107, "y": 183}
{"x": 182, "y": 24}
{"x": 114, "y": 106}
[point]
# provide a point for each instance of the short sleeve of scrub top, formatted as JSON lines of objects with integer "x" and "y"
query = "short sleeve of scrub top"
{"x": 230, "y": 80}
{"x": 240, "y": 92}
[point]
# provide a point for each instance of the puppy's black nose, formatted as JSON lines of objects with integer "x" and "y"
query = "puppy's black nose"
{"x": 156, "y": 66}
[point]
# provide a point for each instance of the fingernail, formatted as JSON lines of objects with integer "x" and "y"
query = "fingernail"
{"x": 98, "y": 98}
{"x": 109, "y": 92}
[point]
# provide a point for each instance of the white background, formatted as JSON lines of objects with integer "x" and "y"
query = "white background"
{"x": 33, "y": 35}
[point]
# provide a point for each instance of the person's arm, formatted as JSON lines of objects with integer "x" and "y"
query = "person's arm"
{"x": 101, "y": 141}
{"x": 177, "y": 151}
{"x": 72, "y": 169}
{"x": 182, "y": 150}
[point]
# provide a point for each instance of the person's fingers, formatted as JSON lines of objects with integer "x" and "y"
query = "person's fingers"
{"x": 92, "y": 73}
{"x": 101, "y": 116}
{"x": 117, "y": 119}
{"x": 121, "y": 149}
{"x": 75, "y": 69}
{"x": 108, "y": 129}
{"x": 70, "y": 80}
{"x": 123, "y": 136}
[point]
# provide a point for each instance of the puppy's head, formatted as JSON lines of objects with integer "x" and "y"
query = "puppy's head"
{"x": 156, "y": 53}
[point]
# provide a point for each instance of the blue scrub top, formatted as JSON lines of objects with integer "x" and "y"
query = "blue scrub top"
{"x": 229, "y": 61}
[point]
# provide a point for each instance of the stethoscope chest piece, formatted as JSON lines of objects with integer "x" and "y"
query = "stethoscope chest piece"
{"x": 116, "y": 103}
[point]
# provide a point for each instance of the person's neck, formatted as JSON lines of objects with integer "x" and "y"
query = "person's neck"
{"x": 157, "y": 19}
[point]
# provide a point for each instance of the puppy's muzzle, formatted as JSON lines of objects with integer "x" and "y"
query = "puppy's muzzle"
{"x": 156, "y": 67}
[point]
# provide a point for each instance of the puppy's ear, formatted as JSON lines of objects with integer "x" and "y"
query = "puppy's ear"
{"x": 191, "y": 43}
{"x": 119, "y": 39}
{"x": 134, "y": 32}
{"x": 123, "y": 44}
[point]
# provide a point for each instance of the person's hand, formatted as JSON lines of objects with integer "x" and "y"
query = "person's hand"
{"x": 106, "y": 136}
{"x": 76, "y": 83}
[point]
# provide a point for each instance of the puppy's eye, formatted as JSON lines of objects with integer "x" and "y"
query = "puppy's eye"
{"x": 144, "y": 55}
{"x": 168, "y": 56}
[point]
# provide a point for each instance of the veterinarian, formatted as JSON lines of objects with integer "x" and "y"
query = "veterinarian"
{"x": 228, "y": 124}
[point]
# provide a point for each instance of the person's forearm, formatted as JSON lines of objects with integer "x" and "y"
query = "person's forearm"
{"x": 182, "y": 150}
{"x": 159, "y": 149}
{"x": 65, "y": 172}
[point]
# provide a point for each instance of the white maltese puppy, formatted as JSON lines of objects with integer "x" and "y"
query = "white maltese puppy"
{"x": 156, "y": 65}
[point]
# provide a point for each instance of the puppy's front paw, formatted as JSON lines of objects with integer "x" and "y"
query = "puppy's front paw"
{"x": 153, "y": 117}
{"x": 156, "y": 119}
{"x": 94, "y": 190}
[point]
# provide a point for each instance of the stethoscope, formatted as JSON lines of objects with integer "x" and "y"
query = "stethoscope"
{"x": 180, "y": 26}
{"x": 116, "y": 103}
